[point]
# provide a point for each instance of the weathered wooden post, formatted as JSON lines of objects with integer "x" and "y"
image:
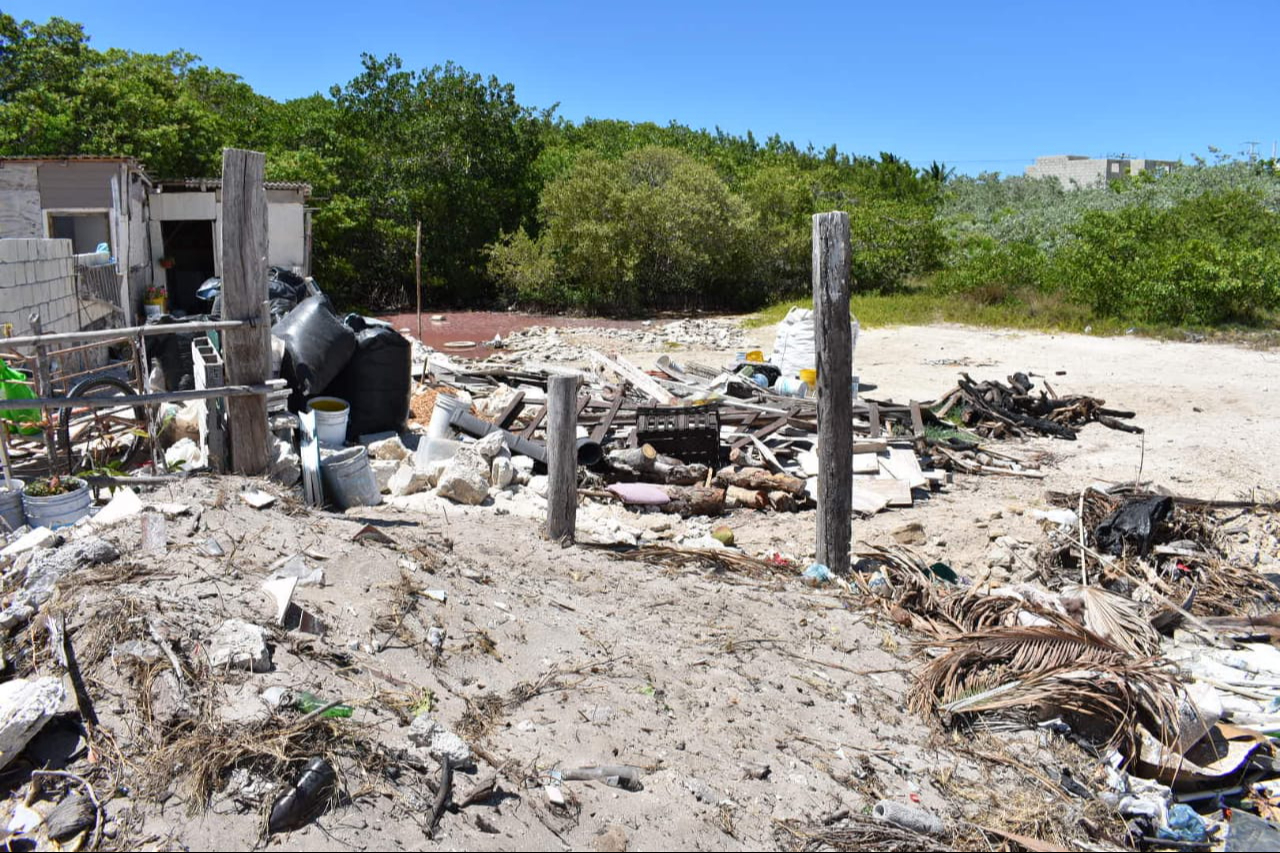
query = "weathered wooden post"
{"x": 246, "y": 350}
{"x": 834, "y": 345}
{"x": 562, "y": 457}
{"x": 44, "y": 388}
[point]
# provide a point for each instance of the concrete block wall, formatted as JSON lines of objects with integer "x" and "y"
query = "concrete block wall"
{"x": 37, "y": 276}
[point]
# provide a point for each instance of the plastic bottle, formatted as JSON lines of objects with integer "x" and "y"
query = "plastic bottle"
{"x": 308, "y": 702}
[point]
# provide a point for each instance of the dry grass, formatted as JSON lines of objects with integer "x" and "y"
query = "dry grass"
{"x": 485, "y": 711}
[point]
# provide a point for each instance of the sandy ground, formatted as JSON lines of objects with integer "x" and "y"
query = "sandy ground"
{"x": 701, "y": 679}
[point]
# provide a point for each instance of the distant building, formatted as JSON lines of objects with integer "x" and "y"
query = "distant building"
{"x": 1074, "y": 170}
{"x": 155, "y": 231}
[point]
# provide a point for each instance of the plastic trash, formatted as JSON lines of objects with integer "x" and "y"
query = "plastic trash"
{"x": 1183, "y": 825}
{"x": 908, "y": 817}
{"x": 13, "y": 387}
{"x": 308, "y": 702}
{"x": 306, "y": 799}
{"x": 1133, "y": 525}
{"x": 623, "y": 776}
{"x": 818, "y": 573}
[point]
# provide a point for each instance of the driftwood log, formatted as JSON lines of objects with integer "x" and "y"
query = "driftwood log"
{"x": 760, "y": 480}
{"x": 695, "y": 500}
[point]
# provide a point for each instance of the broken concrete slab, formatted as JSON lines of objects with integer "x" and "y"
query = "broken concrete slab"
{"x": 25, "y": 706}
{"x": 241, "y": 645}
{"x": 41, "y": 537}
{"x": 465, "y": 479}
{"x": 48, "y": 567}
{"x": 491, "y": 446}
{"x": 439, "y": 742}
{"x": 390, "y": 449}
{"x": 408, "y": 479}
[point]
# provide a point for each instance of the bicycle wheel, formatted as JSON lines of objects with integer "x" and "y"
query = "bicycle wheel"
{"x": 96, "y": 439}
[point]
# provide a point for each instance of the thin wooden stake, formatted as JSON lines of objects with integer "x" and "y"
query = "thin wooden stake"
{"x": 417, "y": 274}
{"x": 44, "y": 387}
{"x": 834, "y": 345}
{"x": 562, "y": 457}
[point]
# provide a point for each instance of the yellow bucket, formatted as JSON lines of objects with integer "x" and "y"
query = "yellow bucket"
{"x": 755, "y": 356}
{"x": 809, "y": 377}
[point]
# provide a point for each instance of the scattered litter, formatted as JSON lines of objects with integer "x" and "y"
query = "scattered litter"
{"x": 257, "y": 498}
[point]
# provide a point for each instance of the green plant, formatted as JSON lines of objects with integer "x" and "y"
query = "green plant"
{"x": 46, "y": 487}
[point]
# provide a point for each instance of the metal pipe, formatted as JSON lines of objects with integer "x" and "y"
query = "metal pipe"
{"x": 143, "y": 399}
{"x": 589, "y": 452}
{"x": 109, "y": 334}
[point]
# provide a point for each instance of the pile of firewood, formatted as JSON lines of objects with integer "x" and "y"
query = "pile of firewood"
{"x": 993, "y": 409}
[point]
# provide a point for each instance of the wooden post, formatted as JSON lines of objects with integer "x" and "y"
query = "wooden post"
{"x": 44, "y": 387}
{"x": 417, "y": 274}
{"x": 834, "y": 345}
{"x": 247, "y": 349}
{"x": 562, "y": 457}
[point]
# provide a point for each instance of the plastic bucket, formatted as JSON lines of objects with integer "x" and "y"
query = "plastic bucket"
{"x": 809, "y": 377}
{"x": 441, "y": 423}
{"x": 12, "y": 515}
{"x": 788, "y": 387}
{"x": 349, "y": 480}
{"x": 755, "y": 356}
{"x": 57, "y": 511}
{"x": 331, "y": 420}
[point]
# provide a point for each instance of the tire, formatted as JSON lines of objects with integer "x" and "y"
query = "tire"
{"x": 130, "y": 447}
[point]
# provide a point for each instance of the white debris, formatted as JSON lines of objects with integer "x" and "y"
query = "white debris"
{"x": 239, "y": 644}
{"x": 465, "y": 479}
{"x": 439, "y": 742}
{"x": 125, "y": 503}
{"x": 408, "y": 479}
{"x": 389, "y": 449}
{"x": 25, "y": 706}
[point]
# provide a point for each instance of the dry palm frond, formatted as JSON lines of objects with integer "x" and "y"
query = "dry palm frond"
{"x": 854, "y": 833}
{"x": 1052, "y": 671}
{"x": 724, "y": 559}
{"x": 1116, "y": 619}
{"x": 943, "y": 610}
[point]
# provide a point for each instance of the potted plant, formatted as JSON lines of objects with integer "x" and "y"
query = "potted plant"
{"x": 56, "y": 501}
{"x": 167, "y": 263}
{"x": 154, "y": 300}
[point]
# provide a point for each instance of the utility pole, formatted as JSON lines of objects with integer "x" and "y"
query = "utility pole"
{"x": 1253, "y": 149}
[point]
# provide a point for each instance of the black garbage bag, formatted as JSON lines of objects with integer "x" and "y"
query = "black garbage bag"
{"x": 1134, "y": 525}
{"x": 317, "y": 346}
{"x": 378, "y": 380}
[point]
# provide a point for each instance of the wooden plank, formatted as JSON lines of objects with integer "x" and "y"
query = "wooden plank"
{"x": 512, "y": 410}
{"x": 535, "y": 423}
{"x": 834, "y": 350}
{"x": 606, "y": 423}
{"x": 764, "y": 432}
{"x": 873, "y": 415}
{"x": 866, "y": 501}
{"x": 917, "y": 420}
{"x": 246, "y": 349}
{"x": 900, "y": 463}
{"x": 866, "y": 463}
{"x": 562, "y": 458}
{"x": 896, "y": 492}
{"x": 636, "y": 376}
{"x": 768, "y": 455}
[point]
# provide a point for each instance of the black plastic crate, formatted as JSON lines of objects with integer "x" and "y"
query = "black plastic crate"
{"x": 689, "y": 433}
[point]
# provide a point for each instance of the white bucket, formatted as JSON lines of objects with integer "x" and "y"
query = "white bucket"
{"x": 789, "y": 386}
{"x": 331, "y": 420}
{"x": 349, "y": 480}
{"x": 56, "y": 511}
{"x": 440, "y": 425}
{"x": 12, "y": 515}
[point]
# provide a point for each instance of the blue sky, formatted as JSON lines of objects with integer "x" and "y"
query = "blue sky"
{"x": 980, "y": 85}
